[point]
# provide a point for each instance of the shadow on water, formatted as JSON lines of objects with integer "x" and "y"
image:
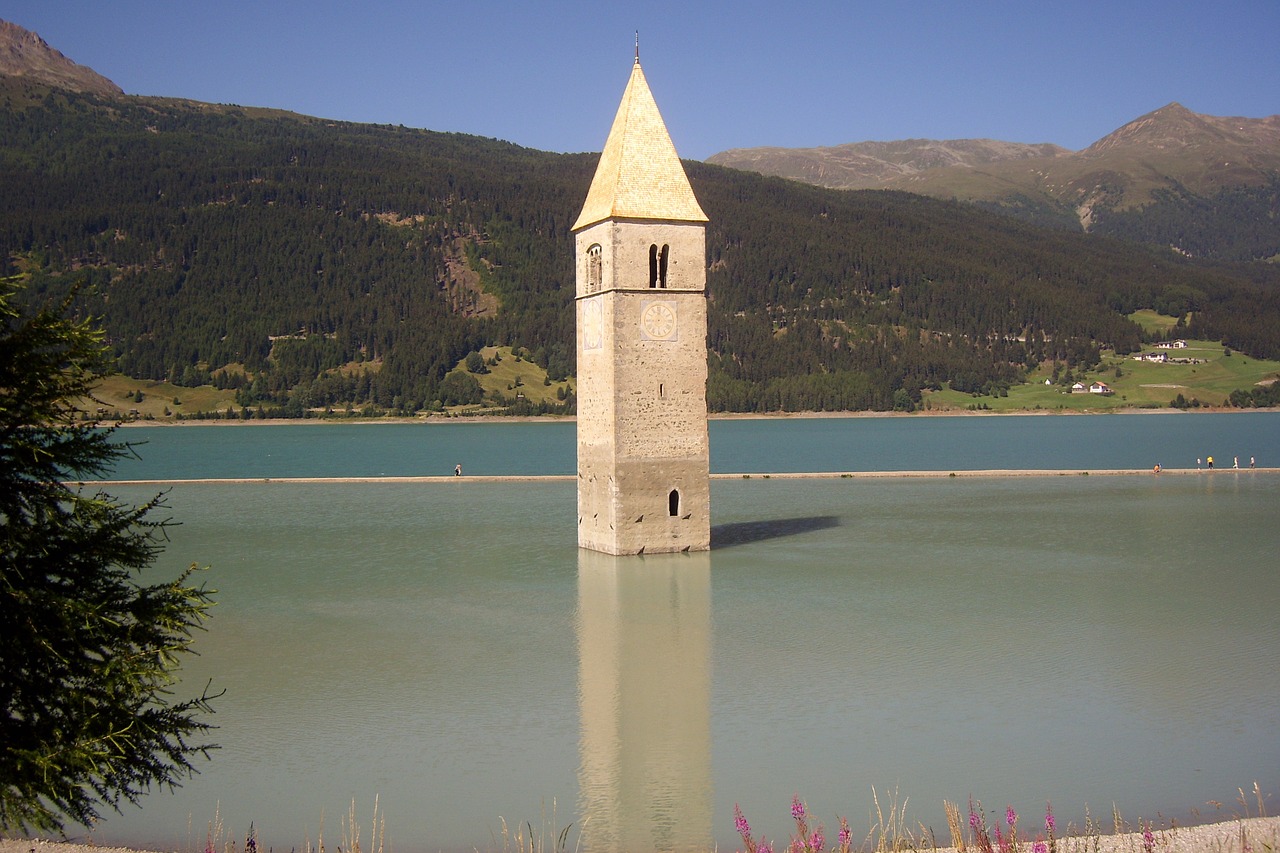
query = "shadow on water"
{"x": 746, "y": 532}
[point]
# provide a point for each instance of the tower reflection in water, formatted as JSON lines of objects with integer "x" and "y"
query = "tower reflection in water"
{"x": 644, "y": 697}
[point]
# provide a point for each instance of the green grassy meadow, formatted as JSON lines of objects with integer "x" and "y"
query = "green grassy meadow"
{"x": 116, "y": 396}
{"x": 1140, "y": 384}
{"x": 513, "y": 375}
{"x": 1153, "y": 321}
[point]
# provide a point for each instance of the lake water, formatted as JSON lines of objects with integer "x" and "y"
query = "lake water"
{"x": 962, "y": 443}
{"x": 446, "y": 648}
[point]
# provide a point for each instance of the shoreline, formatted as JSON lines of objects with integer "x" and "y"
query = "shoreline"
{"x": 435, "y": 420}
{"x": 785, "y": 475}
{"x": 1234, "y": 835}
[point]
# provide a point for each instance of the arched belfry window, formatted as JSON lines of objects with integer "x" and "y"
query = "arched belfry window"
{"x": 658, "y": 264}
{"x": 595, "y": 267}
{"x": 673, "y": 502}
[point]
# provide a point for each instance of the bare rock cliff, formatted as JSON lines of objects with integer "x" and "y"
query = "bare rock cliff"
{"x": 25, "y": 54}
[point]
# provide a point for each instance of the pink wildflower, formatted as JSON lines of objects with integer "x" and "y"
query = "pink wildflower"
{"x": 817, "y": 841}
{"x": 802, "y": 829}
{"x": 978, "y": 825}
{"x": 740, "y": 824}
{"x": 844, "y": 836}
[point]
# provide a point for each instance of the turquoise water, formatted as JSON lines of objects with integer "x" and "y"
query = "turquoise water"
{"x": 446, "y": 647}
{"x": 1171, "y": 439}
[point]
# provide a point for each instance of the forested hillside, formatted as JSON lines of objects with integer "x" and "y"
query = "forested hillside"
{"x": 315, "y": 263}
{"x": 1238, "y": 223}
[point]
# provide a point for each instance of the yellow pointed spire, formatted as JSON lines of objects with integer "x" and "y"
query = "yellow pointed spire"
{"x": 639, "y": 175}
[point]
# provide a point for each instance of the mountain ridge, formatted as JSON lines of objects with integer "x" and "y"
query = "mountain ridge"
{"x": 1171, "y": 161}
{"x": 871, "y": 164}
{"x": 904, "y": 164}
{"x": 23, "y": 53}
{"x": 1173, "y": 127}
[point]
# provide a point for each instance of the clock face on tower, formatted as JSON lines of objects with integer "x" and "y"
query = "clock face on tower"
{"x": 658, "y": 321}
{"x": 592, "y": 325}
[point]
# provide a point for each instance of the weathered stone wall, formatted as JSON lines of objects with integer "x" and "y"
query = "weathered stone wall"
{"x": 642, "y": 374}
{"x": 625, "y": 255}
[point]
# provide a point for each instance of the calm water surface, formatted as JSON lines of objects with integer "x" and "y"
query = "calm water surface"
{"x": 447, "y": 648}
{"x": 967, "y": 442}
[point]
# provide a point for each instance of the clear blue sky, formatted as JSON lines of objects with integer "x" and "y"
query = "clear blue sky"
{"x": 795, "y": 73}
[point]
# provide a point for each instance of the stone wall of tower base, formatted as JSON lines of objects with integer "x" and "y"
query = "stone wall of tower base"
{"x": 629, "y": 510}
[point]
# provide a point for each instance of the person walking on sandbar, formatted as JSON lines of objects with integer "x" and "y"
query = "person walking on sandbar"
{"x": 1210, "y": 461}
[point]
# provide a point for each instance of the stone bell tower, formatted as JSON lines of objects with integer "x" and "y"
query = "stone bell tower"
{"x": 640, "y": 245}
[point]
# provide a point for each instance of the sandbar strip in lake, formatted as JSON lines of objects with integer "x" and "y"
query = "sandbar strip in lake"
{"x": 787, "y": 475}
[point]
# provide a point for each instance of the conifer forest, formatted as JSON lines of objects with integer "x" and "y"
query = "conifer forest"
{"x": 310, "y": 263}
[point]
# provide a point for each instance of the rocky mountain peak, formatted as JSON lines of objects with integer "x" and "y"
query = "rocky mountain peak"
{"x": 1173, "y": 127}
{"x": 24, "y": 54}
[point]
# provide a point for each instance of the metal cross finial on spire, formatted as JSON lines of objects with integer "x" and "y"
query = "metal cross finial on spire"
{"x": 637, "y": 47}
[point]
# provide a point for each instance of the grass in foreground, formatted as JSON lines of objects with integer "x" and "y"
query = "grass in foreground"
{"x": 971, "y": 831}
{"x": 978, "y": 834}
